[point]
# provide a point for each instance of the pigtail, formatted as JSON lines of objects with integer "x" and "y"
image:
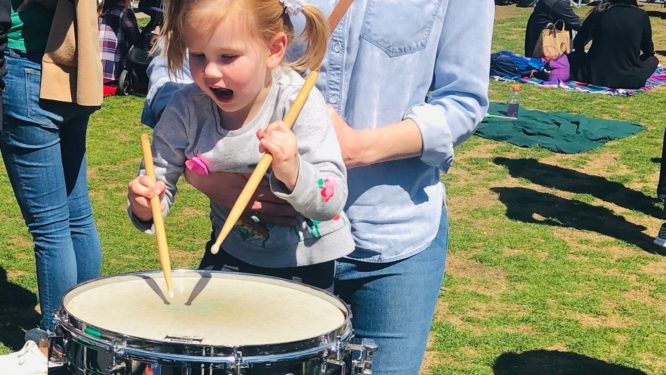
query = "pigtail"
{"x": 316, "y": 39}
{"x": 172, "y": 35}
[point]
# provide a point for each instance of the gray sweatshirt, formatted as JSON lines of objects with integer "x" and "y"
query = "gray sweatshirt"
{"x": 190, "y": 127}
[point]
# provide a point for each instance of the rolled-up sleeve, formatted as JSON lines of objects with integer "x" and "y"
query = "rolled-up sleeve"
{"x": 458, "y": 98}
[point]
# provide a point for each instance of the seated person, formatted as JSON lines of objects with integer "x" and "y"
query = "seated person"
{"x": 154, "y": 10}
{"x": 118, "y": 31}
{"x": 622, "y": 52}
{"x": 545, "y": 12}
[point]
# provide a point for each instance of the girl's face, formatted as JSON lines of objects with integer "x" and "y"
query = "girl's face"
{"x": 231, "y": 65}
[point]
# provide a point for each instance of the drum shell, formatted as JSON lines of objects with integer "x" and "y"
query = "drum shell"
{"x": 88, "y": 349}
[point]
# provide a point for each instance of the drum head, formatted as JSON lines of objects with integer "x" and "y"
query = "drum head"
{"x": 208, "y": 308}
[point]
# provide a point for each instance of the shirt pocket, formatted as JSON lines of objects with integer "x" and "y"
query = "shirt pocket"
{"x": 399, "y": 27}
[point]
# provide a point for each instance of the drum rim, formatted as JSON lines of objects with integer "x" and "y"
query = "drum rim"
{"x": 89, "y": 334}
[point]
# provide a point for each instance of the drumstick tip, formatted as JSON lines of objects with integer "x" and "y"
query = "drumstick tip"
{"x": 215, "y": 248}
{"x": 170, "y": 294}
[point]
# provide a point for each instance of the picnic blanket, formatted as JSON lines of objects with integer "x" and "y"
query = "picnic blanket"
{"x": 656, "y": 79}
{"x": 560, "y": 132}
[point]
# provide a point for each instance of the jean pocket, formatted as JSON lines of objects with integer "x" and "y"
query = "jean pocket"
{"x": 35, "y": 112}
{"x": 399, "y": 27}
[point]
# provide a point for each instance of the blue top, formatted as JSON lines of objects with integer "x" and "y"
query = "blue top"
{"x": 161, "y": 87}
{"x": 427, "y": 60}
{"x": 420, "y": 59}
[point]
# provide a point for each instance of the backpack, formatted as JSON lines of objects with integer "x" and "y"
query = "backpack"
{"x": 508, "y": 65}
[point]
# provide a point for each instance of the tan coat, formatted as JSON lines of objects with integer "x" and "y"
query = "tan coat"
{"x": 71, "y": 66}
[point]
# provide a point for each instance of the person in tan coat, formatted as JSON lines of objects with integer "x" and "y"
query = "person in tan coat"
{"x": 53, "y": 84}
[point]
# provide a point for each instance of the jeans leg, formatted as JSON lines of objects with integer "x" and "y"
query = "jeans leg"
{"x": 44, "y": 161}
{"x": 394, "y": 303}
{"x": 37, "y": 178}
{"x": 85, "y": 238}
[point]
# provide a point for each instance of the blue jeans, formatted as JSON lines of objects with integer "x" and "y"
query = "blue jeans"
{"x": 393, "y": 303}
{"x": 43, "y": 146}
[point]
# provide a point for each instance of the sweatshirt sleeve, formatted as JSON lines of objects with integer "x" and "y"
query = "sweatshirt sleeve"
{"x": 321, "y": 188}
{"x": 459, "y": 92}
{"x": 168, "y": 147}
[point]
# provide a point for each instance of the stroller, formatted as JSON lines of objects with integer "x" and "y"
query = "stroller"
{"x": 133, "y": 78}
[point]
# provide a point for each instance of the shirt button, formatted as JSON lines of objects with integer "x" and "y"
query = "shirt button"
{"x": 337, "y": 48}
{"x": 333, "y": 99}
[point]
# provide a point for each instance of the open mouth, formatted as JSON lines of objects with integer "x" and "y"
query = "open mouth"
{"x": 222, "y": 94}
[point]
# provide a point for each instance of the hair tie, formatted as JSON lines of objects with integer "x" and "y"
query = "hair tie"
{"x": 293, "y": 7}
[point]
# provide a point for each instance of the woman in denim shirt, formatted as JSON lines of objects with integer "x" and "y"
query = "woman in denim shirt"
{"x": 410, "y": 81}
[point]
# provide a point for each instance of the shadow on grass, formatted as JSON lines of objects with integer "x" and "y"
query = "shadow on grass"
{"x": 531, "y": 206}
{"x": 657, "y": 13}
{"x": 547, "y": 362}
{"x": 17, "y": 312}
{"x": 576, "y": 182}
{"x": 661, "y": 53}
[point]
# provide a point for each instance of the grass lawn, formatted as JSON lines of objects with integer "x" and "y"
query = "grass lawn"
{"x": 550, "y": 269}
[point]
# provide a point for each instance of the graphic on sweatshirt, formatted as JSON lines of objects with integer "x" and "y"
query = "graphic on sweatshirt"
{"x": 326, "y": 188}
{"x": 197, "y": 165}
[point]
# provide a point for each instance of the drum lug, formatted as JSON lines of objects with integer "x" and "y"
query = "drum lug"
{"x": 363, "y": 365}
{"x": 238, "y": 359}
{"x": 118, "y": 369}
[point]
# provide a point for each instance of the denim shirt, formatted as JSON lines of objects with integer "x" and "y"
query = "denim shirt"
{"x": 390, "y": 60}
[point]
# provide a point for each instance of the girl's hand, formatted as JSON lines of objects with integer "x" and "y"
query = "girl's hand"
{"x": 280, "y": 142}
{"x": 139, "y": 192}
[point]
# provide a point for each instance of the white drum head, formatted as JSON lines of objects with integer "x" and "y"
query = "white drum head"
{"x": 209, "y": 308}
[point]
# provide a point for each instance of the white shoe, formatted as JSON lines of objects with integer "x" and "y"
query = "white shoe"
{"x": 27, "y": 361}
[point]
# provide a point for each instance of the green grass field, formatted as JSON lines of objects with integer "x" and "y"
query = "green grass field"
{"x": 550, "y": 270}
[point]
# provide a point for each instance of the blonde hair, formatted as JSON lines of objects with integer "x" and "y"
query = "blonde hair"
{"x": 265, "y": 17}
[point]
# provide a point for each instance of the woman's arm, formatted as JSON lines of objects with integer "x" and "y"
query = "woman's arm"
{"x": 583, "y": 37}
{"x": 369, "y": 146}
{"x": 647, "y": 46}
{"x": 456, "y": 104}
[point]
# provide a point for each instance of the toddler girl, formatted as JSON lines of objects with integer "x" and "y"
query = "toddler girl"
{"x": 230, "y": 114}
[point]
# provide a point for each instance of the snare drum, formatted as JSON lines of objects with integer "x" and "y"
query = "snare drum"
{"x": 215, "y": 323}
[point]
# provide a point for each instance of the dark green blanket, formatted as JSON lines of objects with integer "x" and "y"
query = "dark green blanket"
{"x": 557, "y": 131}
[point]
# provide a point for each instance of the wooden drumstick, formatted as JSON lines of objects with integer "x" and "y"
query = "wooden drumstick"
{"x": 264, "y": 163}
{"x": 158, "y": 220}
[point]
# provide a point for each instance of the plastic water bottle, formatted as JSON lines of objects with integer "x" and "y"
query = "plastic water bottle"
{"x": 514, "y": 102}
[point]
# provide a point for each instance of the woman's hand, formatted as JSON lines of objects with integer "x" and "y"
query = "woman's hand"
{"x": 139, "y": 192}
{"x": 279, "y": 141}
{"x": 224, "y": 188}
{"x": 350, "y": 140}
